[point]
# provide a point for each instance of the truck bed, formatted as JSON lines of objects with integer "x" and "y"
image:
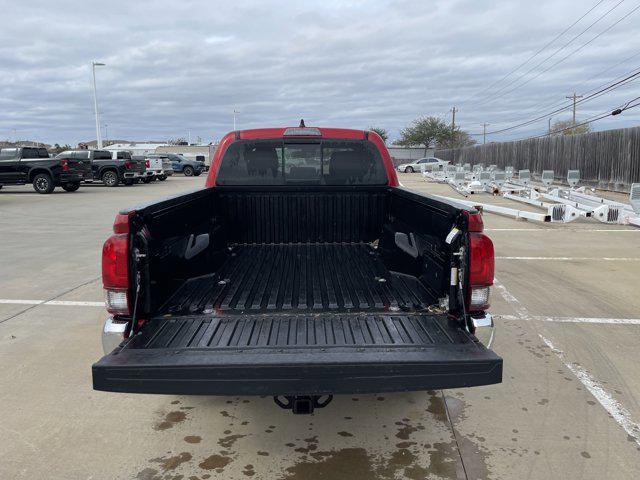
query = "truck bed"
{"x": 301, "y": 277}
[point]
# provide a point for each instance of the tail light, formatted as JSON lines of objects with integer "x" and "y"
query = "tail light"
{"x": 147, "y": 163}
{"x": 64, "y": 163}
{"x": 127, "y": 164}
{"x": 115, "y": 267}
{"x": 481, "y": 264}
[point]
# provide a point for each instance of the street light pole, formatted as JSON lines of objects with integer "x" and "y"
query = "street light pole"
{"x": 95, "y": 102}
{"x": 235, "y": 112}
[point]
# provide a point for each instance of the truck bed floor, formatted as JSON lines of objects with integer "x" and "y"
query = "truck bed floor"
{"x": 300, "y": 277}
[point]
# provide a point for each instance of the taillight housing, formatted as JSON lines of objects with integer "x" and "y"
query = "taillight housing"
{"x": 147, "y": 163}
{"x": 64, "y": 163}
{"x": 115, "y": 267}
{"x": 127, "y": 164}
{"x": 481, "y": 271}
{"x": 481, "y": 263}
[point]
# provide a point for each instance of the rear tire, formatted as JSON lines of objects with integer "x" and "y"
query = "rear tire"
{"x": 42, "y": 183}
{"x": 197, "y": 174}
{"x": 408, "y": 170}
{"x": 147, "y": 179}
{"x": 188, "y": 171}
{"x": 110, "y": 178}
{"x": 128, "y": 183}
{"x": 162, "y": 178}
{"x": 71, "y": 187}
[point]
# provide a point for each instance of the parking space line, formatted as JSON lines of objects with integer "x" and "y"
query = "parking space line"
{"x": 596, "y": 320}
{"x": 8, "y": 301}
{"x": 620, "y": 414}
{"x": 569, "y": 259}
{"x": 600, "y": 230}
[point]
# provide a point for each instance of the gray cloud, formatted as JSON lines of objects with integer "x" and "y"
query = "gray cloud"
{"x": 179, "y": 66}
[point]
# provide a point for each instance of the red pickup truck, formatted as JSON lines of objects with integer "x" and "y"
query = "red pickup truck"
{"x": 301, "y": 271}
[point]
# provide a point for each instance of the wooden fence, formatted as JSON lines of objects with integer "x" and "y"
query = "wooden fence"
{"x": 609, "y": 159}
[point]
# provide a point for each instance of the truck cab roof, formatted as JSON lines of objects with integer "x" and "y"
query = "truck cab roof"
{"x": 369, "y": 140}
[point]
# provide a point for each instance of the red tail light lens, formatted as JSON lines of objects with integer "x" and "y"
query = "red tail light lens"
{"x": 147, "y": 163}
{"x": 115, "y": 267}
{"x": 481, "y": 270}
{"x": 64, "y": 163}
{"x": 127, "y": 164}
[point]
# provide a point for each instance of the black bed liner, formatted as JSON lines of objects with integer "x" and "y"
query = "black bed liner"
{"x": 301, "y": 277}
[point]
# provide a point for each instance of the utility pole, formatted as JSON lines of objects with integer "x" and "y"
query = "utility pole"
{"x": 106, "y": 133}
{"x": 453, "y": 126}
{"x": 484, "y": 132}
{"x": 550, "y": 125}
{"x": 95, "y": 102}
{"x": 574, "y": 97}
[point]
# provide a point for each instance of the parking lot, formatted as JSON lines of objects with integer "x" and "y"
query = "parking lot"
{"x": 566, "y": 302}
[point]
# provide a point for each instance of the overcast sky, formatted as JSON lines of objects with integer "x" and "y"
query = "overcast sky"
{"x": 180, "y": 66}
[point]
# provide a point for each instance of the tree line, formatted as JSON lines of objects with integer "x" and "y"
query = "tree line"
{"x": 433, "y": 132}
{"x": 429, "y": 132}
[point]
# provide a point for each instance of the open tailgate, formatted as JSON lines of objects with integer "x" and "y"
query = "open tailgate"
{"x": 297, "y": 355}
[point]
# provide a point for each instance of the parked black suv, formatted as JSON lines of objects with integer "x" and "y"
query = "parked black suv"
{"x": 22, "y": 165}
{"x": 110, "y": 168}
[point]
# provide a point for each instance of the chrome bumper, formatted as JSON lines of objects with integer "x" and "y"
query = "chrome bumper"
{"x": 113, "y": 333}
{"x": 485, "y": 328}
{"x": 135, "y": 175}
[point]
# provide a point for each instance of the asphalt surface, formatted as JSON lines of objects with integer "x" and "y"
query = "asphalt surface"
{"x": 567, "y": 302}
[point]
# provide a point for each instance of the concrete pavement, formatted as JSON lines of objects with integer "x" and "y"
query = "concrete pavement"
{"x": 568, "y": 406}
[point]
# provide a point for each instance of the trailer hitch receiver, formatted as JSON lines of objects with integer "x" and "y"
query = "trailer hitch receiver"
{"x": 302, "y": 404}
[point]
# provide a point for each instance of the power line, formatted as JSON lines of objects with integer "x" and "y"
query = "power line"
{"x": 537, "y": 53}
{"x": 601, "y": 17}
{"x": 617, "y": 111}
{"x": 585, "y": 99}
{"x": 572, "y": 53}
{"x": 555, "y": 104}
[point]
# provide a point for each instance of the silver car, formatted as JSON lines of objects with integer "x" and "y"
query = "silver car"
{"x": 429, "y": 163}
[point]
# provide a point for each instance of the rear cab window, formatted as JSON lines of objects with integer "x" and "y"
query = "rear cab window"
{"x": 302, "y": 162}
{"x": 102, "y": 155}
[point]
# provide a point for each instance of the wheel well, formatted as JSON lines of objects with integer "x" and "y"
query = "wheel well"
{"x": 108, "y": 169}
{"x": 35, "y": 171}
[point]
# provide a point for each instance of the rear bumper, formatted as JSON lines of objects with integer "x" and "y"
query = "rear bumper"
{"x": 72, "y": 178}
{"x": 135, "y": 174}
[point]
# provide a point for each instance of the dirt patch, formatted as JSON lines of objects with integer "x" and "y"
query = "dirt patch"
{"x": 248, "y": 470}
{"x": 229, "y": 440}
{"x": 170, "y": 419}
{"x": 149, "y": 474}
{"x": 171, "y": 463}
{"x": 437, "y": 408}
{"x": 213, "y": 462}
{"x": 346, "y": 463}
{"x": 192, "y": 439}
